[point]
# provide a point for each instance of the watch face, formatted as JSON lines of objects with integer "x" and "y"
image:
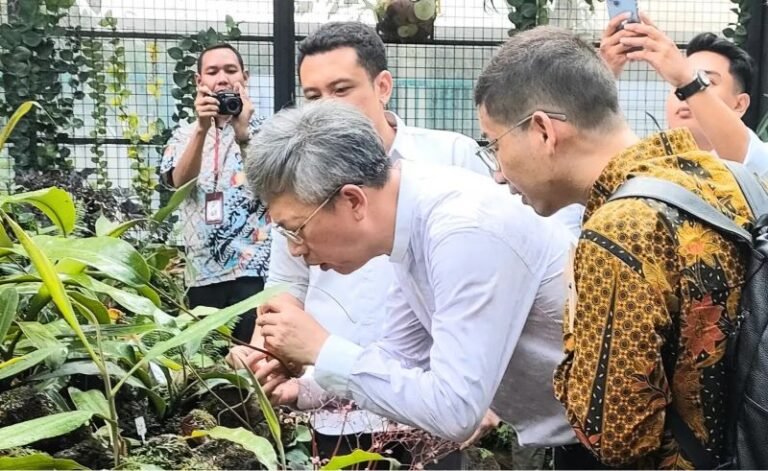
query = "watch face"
{"x": 702, "y": 75}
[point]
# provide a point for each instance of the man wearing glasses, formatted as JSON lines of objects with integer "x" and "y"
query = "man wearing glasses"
{"x": 478, "y": 293}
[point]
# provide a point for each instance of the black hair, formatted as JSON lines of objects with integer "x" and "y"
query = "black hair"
{"x": 219, "y": 46}
{"x": 371, "y": 53}
{"x": 742, "y": 66}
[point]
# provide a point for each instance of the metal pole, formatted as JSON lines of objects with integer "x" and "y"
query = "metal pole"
{"x": 284, "y": 53}
{"x": 757, "y": 47}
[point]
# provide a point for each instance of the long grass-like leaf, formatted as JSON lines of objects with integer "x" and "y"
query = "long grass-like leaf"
{"x": 55, "y": 203}
{"x": 273, "y": 423}
{"x": 9, "y": 302}
{"x": 92, "y": 400}
{"x": 16, "y": 365}
{"x": 199, "y": 329}
{"x": 176, "y": 198}
{"x": 49, "y": 426}
{"x": 15, "y": 118}
{"x": 51, "y": 280}
{"x": 37, "y": 461}
{"x": 259, "y": 446}
{"x": 357, "y": 457}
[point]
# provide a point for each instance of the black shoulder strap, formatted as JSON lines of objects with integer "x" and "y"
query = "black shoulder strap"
{"x": 754, "y": 192}
{"x": 681, "y": 198}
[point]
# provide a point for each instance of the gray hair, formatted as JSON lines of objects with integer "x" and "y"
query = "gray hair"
{"x": 313, "y": 150}
{"x": 548, "y": 69}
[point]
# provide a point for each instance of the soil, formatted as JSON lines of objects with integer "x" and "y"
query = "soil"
{"x": 91, "y": 453}
{"x": 24, "y": 403}
{"x": 227, "y": 455}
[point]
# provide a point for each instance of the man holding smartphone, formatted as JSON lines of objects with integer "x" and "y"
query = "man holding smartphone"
{"x": 225, "y": 229}
{"x": 710, "y": 86}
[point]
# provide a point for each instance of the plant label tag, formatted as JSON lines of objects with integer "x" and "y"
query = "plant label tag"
{"x": 214, "y": 207}
{"x": 141, "y": 428}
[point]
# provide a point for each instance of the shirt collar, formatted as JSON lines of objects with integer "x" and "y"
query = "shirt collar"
{"x": 403, "y": 146}
{"x": 635, "y": 159}
{"x": 404, "y": 214}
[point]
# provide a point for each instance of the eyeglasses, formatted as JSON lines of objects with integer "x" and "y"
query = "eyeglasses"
{"x": 487, "y": 153}
{"x": 293, "y": 235}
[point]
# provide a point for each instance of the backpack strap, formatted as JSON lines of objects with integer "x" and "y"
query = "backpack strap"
{"x": 754, "y": 192}
{"x": 682, "y": 198}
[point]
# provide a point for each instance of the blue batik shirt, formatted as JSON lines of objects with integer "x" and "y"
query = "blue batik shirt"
{"x": 238, "y": 246}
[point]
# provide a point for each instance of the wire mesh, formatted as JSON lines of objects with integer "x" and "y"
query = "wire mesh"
{"x": 433, "y": 81}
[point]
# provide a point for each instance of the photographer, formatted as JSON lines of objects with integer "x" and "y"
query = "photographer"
{"x": 225, "y": 229}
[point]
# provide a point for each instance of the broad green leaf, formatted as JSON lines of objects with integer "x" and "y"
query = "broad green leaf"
{"x": 259, "y": 446}
{"x": 43, "y": 336}
{"x": 120, "y": 330}
{"x": 9, "y": 302}
{"x": 357, "y": 457}
{"x": 150, "y": 294}
{"x": 176, "y": 199}
{"x": 132, "y": 302}
{"x": 14, "y": 120}
{"x": 16, "y": 365}
{"x": 38, "y": 461}
{"x": 201, "y": 328}
{"x": 122, "y": 228}
{"x": 114, "y": 258}
{"x": 51, "y": 279}
{"x": 104, "y": 226}
{"x": 5, "y": 241}
{"x": 93, "y": 305}
{"x": 273, "y": 423}
{"x": 92, "y": 400}
{"x": 49, "y": 426}
{"x": 55, "y": 203}
{"x": 87, "y": 367}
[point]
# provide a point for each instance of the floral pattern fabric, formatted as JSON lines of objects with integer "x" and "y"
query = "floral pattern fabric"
{"x": 656, "y": 296}
{"x": 240, "y": 245}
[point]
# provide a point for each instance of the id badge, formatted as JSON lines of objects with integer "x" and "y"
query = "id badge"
{"x": 214, "y": 207}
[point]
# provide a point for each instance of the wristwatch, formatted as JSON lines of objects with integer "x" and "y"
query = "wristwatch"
{"x": 700, "y": 82}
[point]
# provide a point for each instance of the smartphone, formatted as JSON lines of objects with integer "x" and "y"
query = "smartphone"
{"x": 617, "y": 7}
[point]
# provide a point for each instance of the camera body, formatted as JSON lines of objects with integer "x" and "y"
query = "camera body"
{"x": 229, "y": 103}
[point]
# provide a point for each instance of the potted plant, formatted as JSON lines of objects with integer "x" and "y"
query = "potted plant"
{"x": 406, "y": 20}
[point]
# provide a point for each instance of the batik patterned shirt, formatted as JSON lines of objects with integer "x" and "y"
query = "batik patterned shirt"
{"x": 239, "y": 246}
{"x": 656, "y": 296}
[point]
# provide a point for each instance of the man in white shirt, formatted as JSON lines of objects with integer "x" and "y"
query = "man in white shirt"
{"x": 347, "y": 61}
{"x": 478, "y": 292}
{"x": 710, "y": 86}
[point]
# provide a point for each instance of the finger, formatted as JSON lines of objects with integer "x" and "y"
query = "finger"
{"x": 646, "y": 19}
{"x": 269, "y": 318}
{"x": 243, "y": 91}
{"x": 269, "y": 368}
{"x": 204, "y": 90}
{"x": 645, "y": 30}
{"x": 270, "y": 385}
{"x": 641, "y": 56}
{"x": 614, "y": 24}
{"x": 645, "y": 43}
{"x": 236, "y": 356}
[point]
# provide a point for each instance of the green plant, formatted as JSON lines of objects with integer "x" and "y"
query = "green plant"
{"x": 405, "y": 20}
{"x": 93, "y": 74}
{"x": 737, "y": 30}
{"x": 526, "y": 14}
{"x": 33, "y": 67}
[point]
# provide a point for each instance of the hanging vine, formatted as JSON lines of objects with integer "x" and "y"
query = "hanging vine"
{"x": 93, "y": 74}
{"x": 737, "y": 30}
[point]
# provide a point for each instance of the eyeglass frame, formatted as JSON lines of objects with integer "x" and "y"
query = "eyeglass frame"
{"x": 487, "y": 153}
{"x": 293, "y": 235}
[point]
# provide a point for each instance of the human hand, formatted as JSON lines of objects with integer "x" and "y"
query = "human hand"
{"x": 612, "y": 51}
{"x": 658, "y": 50}
{"x": 290, "y": 333}
{"x": 490, "y": 421}
{"x": 241, "y": 122}
{"x": 206, "y": 107}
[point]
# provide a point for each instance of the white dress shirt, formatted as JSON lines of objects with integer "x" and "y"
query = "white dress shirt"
{"x": 353, "y": 306}
{"x": 477, "y": 303}
{"x": 757, "y": 155}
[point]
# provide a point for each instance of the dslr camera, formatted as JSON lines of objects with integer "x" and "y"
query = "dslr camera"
{"x": 229, "y": 103}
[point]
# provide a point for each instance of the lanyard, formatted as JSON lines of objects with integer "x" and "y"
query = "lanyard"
{"x": 216, "y": 169}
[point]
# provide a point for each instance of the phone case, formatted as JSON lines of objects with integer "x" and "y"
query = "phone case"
{"x": 617, "y": 7}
